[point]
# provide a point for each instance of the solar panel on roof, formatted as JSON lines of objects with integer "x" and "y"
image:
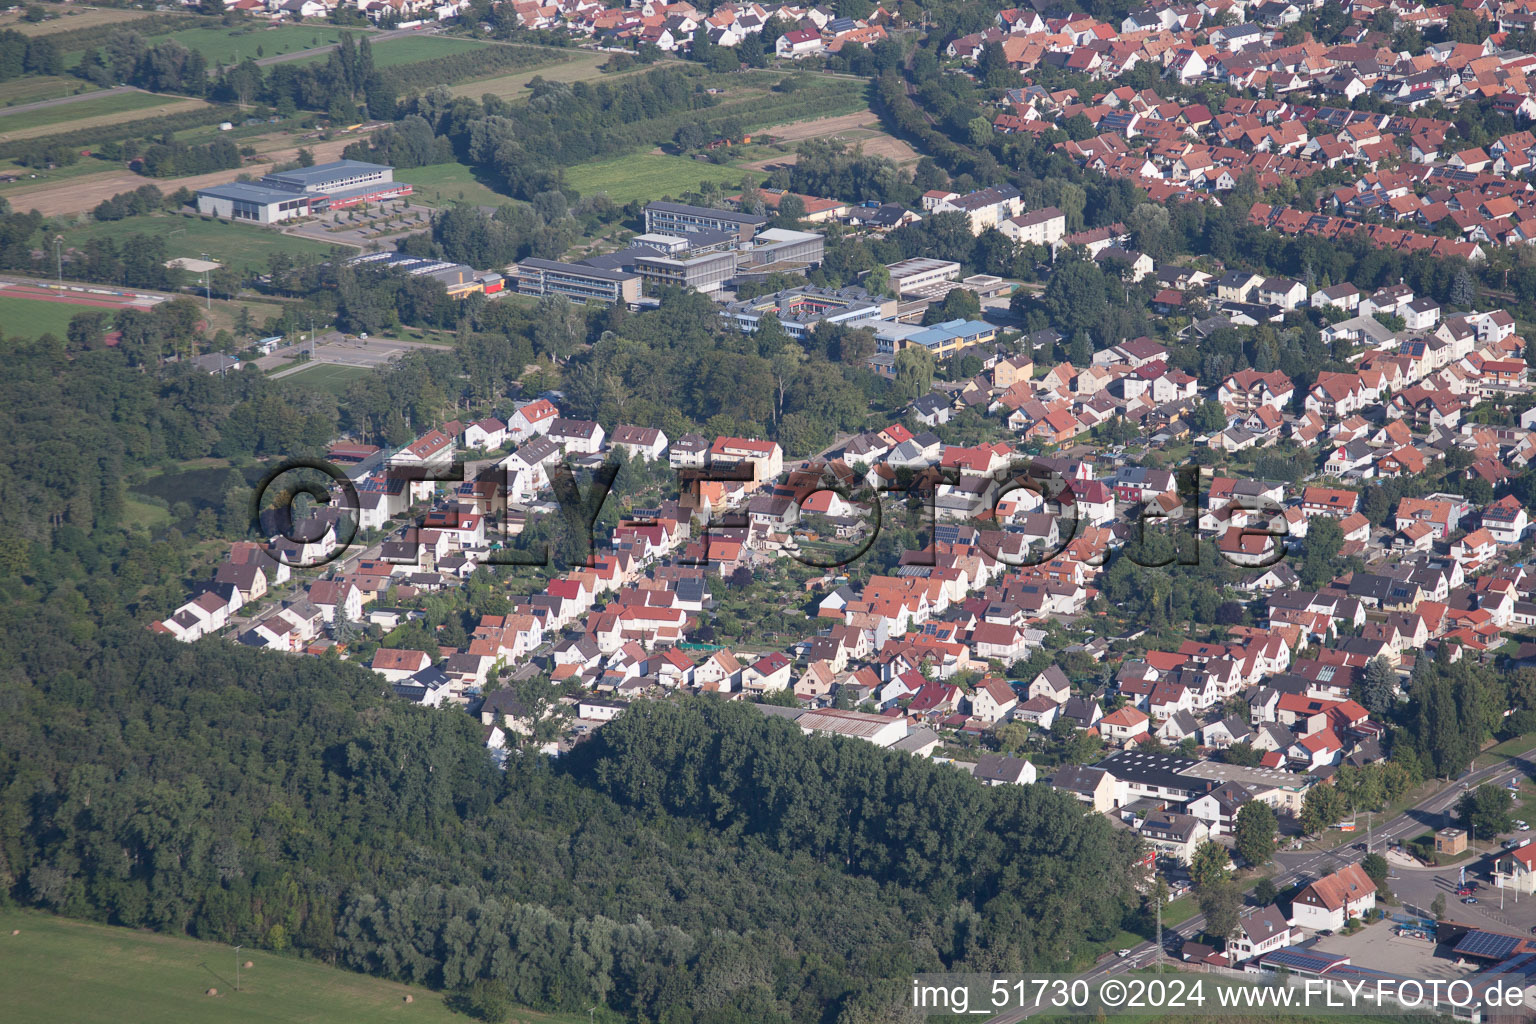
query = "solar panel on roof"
{"x": 1301, "y": 960}
{"x": 1487, "y": 944}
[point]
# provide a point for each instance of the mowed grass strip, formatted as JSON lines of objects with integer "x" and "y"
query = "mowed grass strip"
{"x": 96, "y": 112}
{"x": 56, "y": 969}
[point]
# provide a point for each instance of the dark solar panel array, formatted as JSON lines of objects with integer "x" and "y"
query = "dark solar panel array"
{"x": 1301, "y": 960}
{"x": 1487, "y": 944}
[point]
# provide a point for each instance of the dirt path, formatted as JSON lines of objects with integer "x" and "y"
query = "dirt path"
{"x": 79, "y": 195}
{"x": 797, "y": 131}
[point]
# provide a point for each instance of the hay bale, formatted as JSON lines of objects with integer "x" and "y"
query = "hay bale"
{"x": 211, "y": 992}
{"x": 410, "y": 998}
{"x": 15, "y": 931}
{"x": 248, "y": 964}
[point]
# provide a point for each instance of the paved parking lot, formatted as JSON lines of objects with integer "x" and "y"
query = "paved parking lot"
{"x": 316, "y": 227}
{"x": 1376, "y": 947}
{"x": 342, "y": 351}
{"x": 1496, "y": 910}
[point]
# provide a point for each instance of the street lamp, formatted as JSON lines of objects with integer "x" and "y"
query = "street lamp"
{"x": 207, "y": 291}
{"x": 58, "y": 252}
{"x": 237, "y": 967}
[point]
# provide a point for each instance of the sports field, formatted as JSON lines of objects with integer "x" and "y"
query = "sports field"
{"x": 329, "y": 377}
{"x": 29, "y": 318}
{"x": 650, "y": 176}
{"x": 62, "y": 970}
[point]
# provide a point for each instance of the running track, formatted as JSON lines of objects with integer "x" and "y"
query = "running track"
{"x": 131, "y": 300}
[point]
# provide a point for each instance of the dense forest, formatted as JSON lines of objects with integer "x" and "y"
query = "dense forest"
{"x": 674, "y": 871}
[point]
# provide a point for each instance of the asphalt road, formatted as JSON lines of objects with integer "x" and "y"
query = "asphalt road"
{"x": 1295, "y": 866}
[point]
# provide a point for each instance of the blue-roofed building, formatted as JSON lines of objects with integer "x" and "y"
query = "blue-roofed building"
{"x": 942, "y": 340}
{"x": 336, "y": 176}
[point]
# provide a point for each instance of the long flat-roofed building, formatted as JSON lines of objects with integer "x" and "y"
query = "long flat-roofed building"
{"x": 702, "y": 271}
{"x": 460, "y": 280}
{"x": 876, "y": 729}
{"x": 576, "y": 281}
{"x": 680, "y": 218}
{"x": 919, "y": 272}
{"x": 335, "y": 176}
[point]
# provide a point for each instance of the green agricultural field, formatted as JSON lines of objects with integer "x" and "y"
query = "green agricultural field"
{"x": 28, "y": 318}
{"x": 579, "y": 66}
{"x": 29, "y": 177}
{"x": 63, "y": 114}
{"x": 61, "y": 970}
{"x": 232, "y": 45}
{"x": 245, "y": 247}
{"x": 446, "y": 184}
{"x": 410, "y": 49}
{"x": 394, "y": 52}
{"x": 328, "y": 377}
{"x": 648, "y": 176}
{"x": 41, "y": 87}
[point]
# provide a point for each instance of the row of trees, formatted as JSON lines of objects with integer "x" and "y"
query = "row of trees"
{"x": 28, "y": 55}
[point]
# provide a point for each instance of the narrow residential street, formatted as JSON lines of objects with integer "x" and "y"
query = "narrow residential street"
{"x": 1411, "y": 885}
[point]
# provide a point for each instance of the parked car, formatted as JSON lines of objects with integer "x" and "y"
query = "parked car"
{"x": 1465, "y": 890}
{"x": 1470, "y": 900}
